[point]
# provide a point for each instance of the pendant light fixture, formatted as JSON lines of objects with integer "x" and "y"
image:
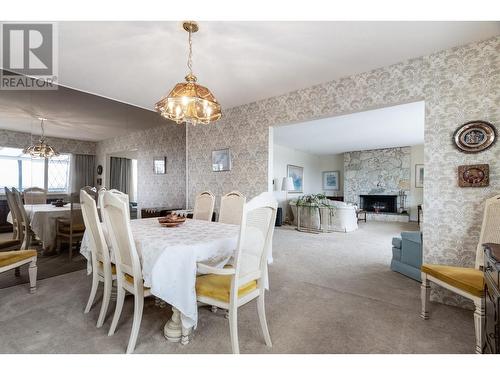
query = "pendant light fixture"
{"x": 41, "y": 149}
{"x": 188, "y": 101}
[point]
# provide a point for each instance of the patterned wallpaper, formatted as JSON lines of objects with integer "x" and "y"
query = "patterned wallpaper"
{"x": 458, "y": 85}
{"x": 168, "y": 139}
{"x": 376, "y": 172}
{"x": 9, "y": 138}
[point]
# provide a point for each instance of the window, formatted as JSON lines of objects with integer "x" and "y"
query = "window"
{"x": 21, "y": 171}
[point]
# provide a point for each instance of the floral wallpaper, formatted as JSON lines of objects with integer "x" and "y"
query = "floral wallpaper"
{"x": 9, "y": 138}
{"x": 457, "y": 85}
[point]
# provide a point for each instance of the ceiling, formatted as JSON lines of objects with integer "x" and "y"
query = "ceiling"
{"x": 401, "y": 125}
{"x": 241, "y": 62}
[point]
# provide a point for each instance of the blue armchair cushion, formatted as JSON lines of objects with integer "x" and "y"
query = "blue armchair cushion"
{"x": 407, "y": 254}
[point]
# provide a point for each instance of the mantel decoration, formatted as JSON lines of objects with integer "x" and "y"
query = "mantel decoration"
{"x": 188, "y": 101}
{"x": 477, "y": 175}
{"x": 475, "y": 136}
{"x": 41, "y": 149}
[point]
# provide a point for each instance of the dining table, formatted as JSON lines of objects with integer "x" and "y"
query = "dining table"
{"x": 169, "y": 257}
{"x": 43, "y": 221}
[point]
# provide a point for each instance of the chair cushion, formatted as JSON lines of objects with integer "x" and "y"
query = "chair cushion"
{"x": 218, "y": 287}
{"x": 10, "y": 257}
{"x": 130, "y": 279}
{"x": 113, "y": 268}
{"x": 469, "y": 280}
{"x": 77, "y": 228}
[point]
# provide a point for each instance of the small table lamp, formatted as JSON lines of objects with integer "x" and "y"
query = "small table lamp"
{"x": 286, "y": 186}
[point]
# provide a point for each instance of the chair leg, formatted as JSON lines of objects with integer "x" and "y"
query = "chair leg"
{"x": 93, "y": 291}
{"x": 105, "y": 302}
{"x": 136, "y": 325}
{"x": 32, "y": 275}
{"x": 233, "y": 328}
{"x": 425, "y": 296}
{"x": 262, "y": 317}
{"x": 70, "y": 247}
{"x": 478, "y": 325}
{"x": 120, "y": 297}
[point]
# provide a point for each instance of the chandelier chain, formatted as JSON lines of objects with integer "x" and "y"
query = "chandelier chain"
{"x": 190, "y": 56}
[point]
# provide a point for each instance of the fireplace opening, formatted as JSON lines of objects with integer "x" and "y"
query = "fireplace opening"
{"x": 379, "y": 203}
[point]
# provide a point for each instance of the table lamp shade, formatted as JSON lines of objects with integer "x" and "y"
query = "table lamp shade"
{"x": 287, "y": 184}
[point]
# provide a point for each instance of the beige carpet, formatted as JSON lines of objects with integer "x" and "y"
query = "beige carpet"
{"x": 330, "y": 293}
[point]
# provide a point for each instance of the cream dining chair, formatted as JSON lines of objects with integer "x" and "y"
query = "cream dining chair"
{"x": 204, "y": 206}
{"x": 128, "y": 266}
{"x": 467, "y": 282}
{"x": 231, "y": 208}
{"x": 15, "y": 214}
{"x": 102, "y": 268}
{"x": 124, "y": 197}
{"x": 35, "y": 195}
{"x": 27, "y": 234}
{"x": 232, "y": 287}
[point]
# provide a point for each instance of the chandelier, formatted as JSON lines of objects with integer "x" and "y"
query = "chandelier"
{"x": 41, "y": 149}
{"x": 188, "y": 101}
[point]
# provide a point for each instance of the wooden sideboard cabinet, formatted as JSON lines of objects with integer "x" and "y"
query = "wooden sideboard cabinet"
{"x": 492, "y": 298}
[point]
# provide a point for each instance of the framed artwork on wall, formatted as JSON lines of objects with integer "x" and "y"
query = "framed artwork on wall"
{"x": 221, "y": 160}
{"x": 477, "y": 175}
{"x": 331, "y": 180}
{"x": 160, "y": 165}
{"x": 419, "y": 175}
{"x": 297, "y": 175}
{"x": 475, "y": 136}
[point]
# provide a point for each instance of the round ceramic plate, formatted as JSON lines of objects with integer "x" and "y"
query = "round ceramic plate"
{"x": 475, "y": 136}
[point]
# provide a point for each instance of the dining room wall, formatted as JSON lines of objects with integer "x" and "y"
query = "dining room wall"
{"x": 457, "y": 85}
{"x": 165, "y": 140}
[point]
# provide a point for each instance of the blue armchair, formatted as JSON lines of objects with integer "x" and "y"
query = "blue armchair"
{"x": 407, "y": 254}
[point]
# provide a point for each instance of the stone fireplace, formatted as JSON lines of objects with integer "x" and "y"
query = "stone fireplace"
{"x": 379, "y": 203}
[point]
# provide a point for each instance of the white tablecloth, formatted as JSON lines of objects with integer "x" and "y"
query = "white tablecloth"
{"x": 43, "y": 220}
{"x": 169, "y": 257}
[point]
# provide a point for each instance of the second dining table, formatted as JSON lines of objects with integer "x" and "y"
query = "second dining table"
{"x": 169, "y": 258}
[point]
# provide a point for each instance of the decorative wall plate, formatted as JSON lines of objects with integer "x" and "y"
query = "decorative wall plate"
{"x": 477, "y": 175}
{"x": 474, "y": 136}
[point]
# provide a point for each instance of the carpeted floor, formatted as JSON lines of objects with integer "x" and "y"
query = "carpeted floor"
{"x": 330, "y": 293}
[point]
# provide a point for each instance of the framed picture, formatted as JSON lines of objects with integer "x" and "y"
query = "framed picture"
{"x": 419, "y": 175}
{"x": 331, "y": 180}
{"x": 221, "y": 160}
{"x": 160, "y": 165}
{"x": 477, "y": 175}
{"x": 297, "y": 175}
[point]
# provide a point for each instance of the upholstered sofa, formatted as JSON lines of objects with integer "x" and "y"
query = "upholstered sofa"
{"x": 407, "y": 254}
{"x": 344, "y": 220}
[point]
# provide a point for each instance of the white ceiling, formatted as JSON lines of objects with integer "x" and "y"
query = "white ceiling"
{"x": 241, "y": 62}
{"x": 401, "y": 125}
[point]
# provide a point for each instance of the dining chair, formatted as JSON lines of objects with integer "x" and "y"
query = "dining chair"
{"x": 204, "y": 206}
{"x": 102, "y": 268}
{"x": 465, "y": 281}
{"x": 35, "y": 195}
{"x": 27, "y": 234}
{"x": 14, "y": 259}
{"x": 231, "y": 208}
{"x": 124, "y": 197}
{"x": 91, "y": 190}
{"x": 128, "y": 266}
{"x": 14, "y": 212}
{"x": 231, "y": 287}
{"x": 70, "y": 230}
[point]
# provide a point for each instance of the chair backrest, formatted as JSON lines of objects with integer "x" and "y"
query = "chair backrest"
{"x": 204, "y": 206}
{"x": 231, "y": 208}
{"x": 490, "y": 229}
{"x": 124, "y": 197}
{"x": 14, "y": 211}
{"x": 90, "y": 190}
{"x": 35, "y": 195}
{"x": 99, "y": 248}
{"x": 22, "y": 211}
{"x": 255, "y": 239}
{"x": 75, "y": 209}
{"x": 118, "y": 226}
